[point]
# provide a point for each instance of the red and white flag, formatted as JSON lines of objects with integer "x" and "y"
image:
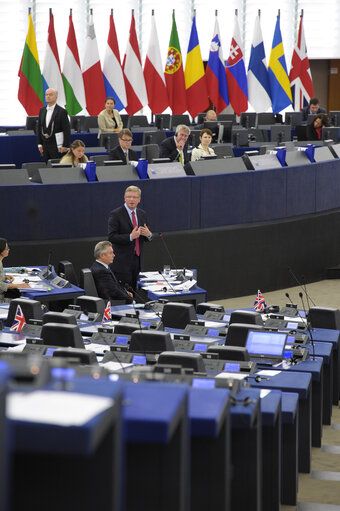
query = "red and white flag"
{"x": 154, "y": 75}
{"x": 133, "y": 74}
{"x": 52, "y": 72}
{"x": 92, "y": 73}
{"x": 107, "y": 312}
{"x": 300, "y": 76}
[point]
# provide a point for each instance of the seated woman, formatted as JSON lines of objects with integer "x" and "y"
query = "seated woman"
{"x": 6, "y": 281}
{"x": 314, "y": 130}
{"x": 75, "y": 154}
{"x": 109, "y": 119}
{"x": 203, "y": 149}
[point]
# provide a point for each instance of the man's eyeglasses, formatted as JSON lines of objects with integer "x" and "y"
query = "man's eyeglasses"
{"x": 126, "y": 139}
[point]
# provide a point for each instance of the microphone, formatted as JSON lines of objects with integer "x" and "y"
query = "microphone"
{"x": 305, "y": 289}
{"x": 170, "y": 256}
{"x": 145, "y": 302}
{"x": 299, "y": 284}
{"x": 304, "y": 320}
{"x": 166, "y": 280}
{"x": 308, "y": 325}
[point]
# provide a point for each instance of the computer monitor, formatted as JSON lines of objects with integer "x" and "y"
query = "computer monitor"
{"x": 185, "y": 360}
{"x": 61, "y": 165}
{"x": 239, "y": 137}
{"x": 227, "y": 129}
{"x": 266, "y": 343}
{"x": 334, "y": 117}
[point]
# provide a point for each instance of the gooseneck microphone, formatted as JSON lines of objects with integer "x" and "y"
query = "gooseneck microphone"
{"x": 308, "y": 325}
{"x": 170, "y": 256}
{"x": 299, "y": 284}
{"x": 166, "y": 280}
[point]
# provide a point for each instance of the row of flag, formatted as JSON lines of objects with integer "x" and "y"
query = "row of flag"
{"x": 84, "y": 87}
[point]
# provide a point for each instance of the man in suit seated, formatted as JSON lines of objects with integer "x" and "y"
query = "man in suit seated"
{"x": 123, "y": 151}
{"x": 312, "y": 108}
{"x": 176, "y": 148}
{"x": 107, "y": 285}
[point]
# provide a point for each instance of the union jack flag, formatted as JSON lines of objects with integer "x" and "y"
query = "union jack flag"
{"x": 300, "y": 76}
{"x": 107, "y": 312}
{"x": 19, "y": 320}
{"x": 259, "y": 304}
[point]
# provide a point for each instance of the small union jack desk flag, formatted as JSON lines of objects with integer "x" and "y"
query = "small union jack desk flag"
{"x": 259, "y": 304}
{"x": 19, "y": 320}
{"x": 107, "y": 312}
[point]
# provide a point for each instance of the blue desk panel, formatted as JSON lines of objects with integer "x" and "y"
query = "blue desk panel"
{"x": 5, "y": 439}
{"x": 209, "y": 420}
{"x": 300, "y": 383}
{"x": 80, "y": 458}
{"x": 332, "y": 336}
{"x": 289, "y": 476}
{"x": 155, "y": 426}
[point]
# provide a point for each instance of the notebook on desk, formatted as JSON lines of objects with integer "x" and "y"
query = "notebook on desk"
{"x": 266, "y": 347}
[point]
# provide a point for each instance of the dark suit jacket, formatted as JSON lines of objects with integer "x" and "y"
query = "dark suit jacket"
{"x": 305, "y": 111}
{"x": 168, "y": 149}
{"x": 118, "y": 154}
{"x": 120, "y": 227}
{"x": 107, "y": 284}
{"x": 59, "y": 123}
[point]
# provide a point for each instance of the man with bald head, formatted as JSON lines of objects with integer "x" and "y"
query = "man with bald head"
{"x": 53, "y": 128}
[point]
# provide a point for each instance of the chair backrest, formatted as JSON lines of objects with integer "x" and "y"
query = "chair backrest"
{"x": 124, "y": 118}
{"x": 223, "y": 149}
{"x": 248, "y": 119}
{"x": 201, "y": 117}
{"x": 227, "y": 117}
{"x": 150, "y": 151}
{"x": 265, "y": 119}
{"x": 194, "y": 138}
{"x": 91, "y": 121}
{"x": 78, "y": 123}
{"x": 162, "y": 121}
{"x": 153, "y": 137}
{"x": 86, "y": 281}
{"x": 108, "y": 140}
{"x": 32, "y": 123}
{"x": 179, "y": 119}
{"x": 137, "y": 120}
{"x": 66, "y": 270}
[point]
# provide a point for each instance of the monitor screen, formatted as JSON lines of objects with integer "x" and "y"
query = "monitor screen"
{"x": 292, "y": 325}
{"x": 203, "y": 383}
{"x": 233, "y": 367}
{"x": 121, "y": 339}
{"x": 265, "y": 343}
{"x": 290, "y": 339}
{"x": 213, "y": 331}
{"x": 199, "y": 346}
{"x": 146, "y": 323}
{"x": 139, "y": 359}
{"x": 49, "y": 352}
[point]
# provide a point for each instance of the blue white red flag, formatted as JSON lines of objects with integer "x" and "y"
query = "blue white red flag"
{"x": 107, "y": 312}
{"x": 19, "y": 320}
{"x": 300, "y": 76}
{"x": 215, "y": 73}
{"x": 259, "y": 304}
{"x": 258, "y": 80}
{"x": 236, "y": 73}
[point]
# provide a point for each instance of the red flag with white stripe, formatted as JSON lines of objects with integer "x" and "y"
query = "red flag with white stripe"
{"x": 133, "y": 74}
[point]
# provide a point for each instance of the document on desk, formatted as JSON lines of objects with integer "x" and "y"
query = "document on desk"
{"x": 52, "y": 407}
{"x": 115, "y": 366}
{"x": 234, "y": 376}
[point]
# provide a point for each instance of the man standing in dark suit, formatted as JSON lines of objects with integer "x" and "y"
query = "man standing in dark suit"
{"x": 127, "y": 232}
{"x": 53, "y": 128}
{"x": 107, "y": 285}
{"x": 312, "y": 108}
{"x": 176, "y": 148}
{"x": 123, "y": 151}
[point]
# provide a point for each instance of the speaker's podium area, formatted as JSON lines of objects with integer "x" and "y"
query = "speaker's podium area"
{"x": 175, "y": 405}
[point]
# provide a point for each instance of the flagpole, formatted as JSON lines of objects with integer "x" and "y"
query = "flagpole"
{"x": 259, "y": 13}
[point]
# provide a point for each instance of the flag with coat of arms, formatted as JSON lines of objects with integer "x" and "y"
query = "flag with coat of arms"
{"x": 259, "y": 304}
